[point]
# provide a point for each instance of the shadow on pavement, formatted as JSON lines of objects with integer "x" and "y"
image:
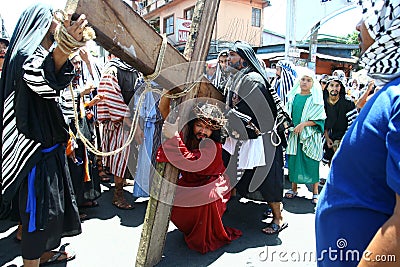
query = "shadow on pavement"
{"x": 243, "y": 215}
{"x": 9, "y": 246}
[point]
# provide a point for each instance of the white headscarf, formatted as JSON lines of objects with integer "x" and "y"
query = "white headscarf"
{"x": 316, "y": 90}
{"x": 382, "y": 58}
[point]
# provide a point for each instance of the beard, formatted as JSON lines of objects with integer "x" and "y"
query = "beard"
{"x": 235, "y": 65}
{"x": 333, "y": 93}
{"x": 200, "y": 137}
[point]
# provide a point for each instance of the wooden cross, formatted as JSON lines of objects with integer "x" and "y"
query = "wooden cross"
{"x": 127, "y": 35}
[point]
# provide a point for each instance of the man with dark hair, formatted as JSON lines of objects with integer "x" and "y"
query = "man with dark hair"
{"x": 34, "y": 132}
{"x": 222, "y": 73}
{"x": 358, "y": 218}
{"x": 203, "y": 190}
{"x": 339, "y": 111}
{"x": 3, "y": 49}
{"x": 255, "y": 109}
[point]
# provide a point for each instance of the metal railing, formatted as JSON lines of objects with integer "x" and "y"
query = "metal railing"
{"x": 153, "y": 5}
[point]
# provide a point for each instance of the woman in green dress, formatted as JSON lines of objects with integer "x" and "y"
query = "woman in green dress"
{"x": 306, "y": 106}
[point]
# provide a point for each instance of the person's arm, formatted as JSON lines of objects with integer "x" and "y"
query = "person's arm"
{"x": 75, "y": 29}
{"x": 85, "y": 55}
{"x": 385, "y": 243}
{"x": 163, "y": 106}
{"x": 364, "y": 97}
{"x": 300, "y": 127}
{"x": 94, "y": 101}
{"x": 329, "y": 141}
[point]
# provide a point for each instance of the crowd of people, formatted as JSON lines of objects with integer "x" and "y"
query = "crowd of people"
{"x": 67, "y": 119}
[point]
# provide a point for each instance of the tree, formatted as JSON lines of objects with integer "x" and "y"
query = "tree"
{"x": 352, "y": 38}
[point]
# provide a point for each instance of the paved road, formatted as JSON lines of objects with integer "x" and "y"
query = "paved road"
{"x": 111, "y": 237}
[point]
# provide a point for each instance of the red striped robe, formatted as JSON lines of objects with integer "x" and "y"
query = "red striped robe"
{"x": 111, "y": 112}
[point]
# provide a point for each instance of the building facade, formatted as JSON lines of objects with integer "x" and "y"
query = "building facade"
{"x": 236, "y": 20}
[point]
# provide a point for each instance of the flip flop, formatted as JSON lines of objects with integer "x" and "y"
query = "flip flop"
{"x": 56, "y": 257}
{"x": 315, "y": 199}
{"x": 291, "y": 194}
{"x": 276, "y": 228}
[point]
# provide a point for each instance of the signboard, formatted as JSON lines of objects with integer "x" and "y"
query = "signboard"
{"x": 182, "y": 30}
{"x": 294, "y": 52}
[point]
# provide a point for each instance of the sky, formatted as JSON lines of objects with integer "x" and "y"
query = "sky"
{"x": 274, "y": 17}
{"x": 341, "y": 25}
{"x": 12, "y": 10}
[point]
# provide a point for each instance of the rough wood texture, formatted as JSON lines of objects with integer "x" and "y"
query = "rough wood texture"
{"x": 158, "y": 211}
{"x": 122, "y": 31}
{"x": 127, "y": 35}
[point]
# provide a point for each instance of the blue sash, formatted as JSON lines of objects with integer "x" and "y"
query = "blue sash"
{"x": 31, "y": 201}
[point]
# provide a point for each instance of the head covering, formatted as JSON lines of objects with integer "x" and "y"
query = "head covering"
{"x": 316, "y": 90}
{"x": 31, "y": 28}
{"x": 286, "y": 80}
{"x": 340, "y": 74}
{"x": 245, "y": 51}
{"x": 5, "y": 41}
{"x": 340, "y": 81}
{"x": 382, "y": 58}
{"x": 219, "y": 75}
{"x": 324, "y": 78}
{"x": 210, "y": 114}
{"x": 29, "y": 32}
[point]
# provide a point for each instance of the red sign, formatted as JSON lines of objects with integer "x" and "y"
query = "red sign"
{"x": 182, "y": 30}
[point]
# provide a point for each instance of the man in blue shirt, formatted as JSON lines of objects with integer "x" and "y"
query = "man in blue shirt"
{"x": 358, "y": 215}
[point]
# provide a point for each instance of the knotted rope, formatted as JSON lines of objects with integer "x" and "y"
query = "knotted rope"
{"x": 148, "y": 79}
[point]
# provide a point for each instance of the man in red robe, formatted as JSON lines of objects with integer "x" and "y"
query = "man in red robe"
{"x": 203, "y": 190}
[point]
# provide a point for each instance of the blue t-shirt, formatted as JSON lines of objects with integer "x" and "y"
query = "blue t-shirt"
{"x": 360, "y": 193}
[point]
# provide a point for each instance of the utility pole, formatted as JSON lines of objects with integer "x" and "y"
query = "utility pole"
{"x": 312, "y": 50}
{"x": 290, "y": 26}
{"x": 3, "y": 28}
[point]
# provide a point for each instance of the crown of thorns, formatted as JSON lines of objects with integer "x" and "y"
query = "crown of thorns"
{"x": 211, "y": 115}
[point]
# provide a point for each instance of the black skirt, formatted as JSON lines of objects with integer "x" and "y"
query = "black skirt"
{"x": 271, "y": 187}
{"x": 56, "y": 209}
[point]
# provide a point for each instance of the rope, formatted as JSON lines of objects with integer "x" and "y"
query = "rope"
{"x": 66, "y": 42}
{"x": 148, "y": 88}
{"x": 274, "y": 131}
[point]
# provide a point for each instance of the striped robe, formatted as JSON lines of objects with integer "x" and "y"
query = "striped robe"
{"x": 111, "y": 112}
{"x": 35, "y": 107}
{"x": 309, "y": 137}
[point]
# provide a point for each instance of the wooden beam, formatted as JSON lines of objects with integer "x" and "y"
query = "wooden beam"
{"x": 123, "y": 32}
{"x": 158, "y": 211}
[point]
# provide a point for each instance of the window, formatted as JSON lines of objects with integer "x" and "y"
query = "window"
{"x": 256, "y": 17}
{"x": 169, "y": 25}
{"x": 188, "y": 13}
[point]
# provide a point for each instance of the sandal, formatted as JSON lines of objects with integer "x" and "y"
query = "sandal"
{"x": 276, "y": 229}
{"x": 291, "y": 194}
{"x": 315, "y": 198}
{"x": 58, "y": 257}
{"x": 118, "y": 199}
{"x": 104, "y": 177}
